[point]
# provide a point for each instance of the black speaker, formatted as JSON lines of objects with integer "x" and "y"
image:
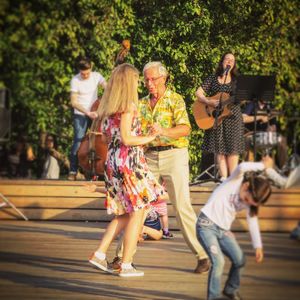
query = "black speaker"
{"x": 5, "y": 116}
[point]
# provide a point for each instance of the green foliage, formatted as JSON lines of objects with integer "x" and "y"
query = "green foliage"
{"x": 190, "y": 36}
{"x": 40, "y": 46}
{"x": 41, "y": 40}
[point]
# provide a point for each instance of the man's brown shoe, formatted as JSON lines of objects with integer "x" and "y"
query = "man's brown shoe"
{"x": 202, "y": 266}
{"x": 116, "y": 264}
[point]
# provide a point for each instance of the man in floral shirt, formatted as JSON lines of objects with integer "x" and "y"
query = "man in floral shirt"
{"x": 167, "y": 156}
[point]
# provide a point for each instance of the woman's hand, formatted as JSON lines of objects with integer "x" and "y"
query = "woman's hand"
{"x": 259, "y": 255}
{"x": 90, "y": 187}
{"x": 213, "y": 102}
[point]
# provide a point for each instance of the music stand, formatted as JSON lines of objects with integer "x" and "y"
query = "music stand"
{"x": 254, "y": 88}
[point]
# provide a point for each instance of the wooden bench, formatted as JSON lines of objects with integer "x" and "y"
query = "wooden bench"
{"x": 68, "y": 201}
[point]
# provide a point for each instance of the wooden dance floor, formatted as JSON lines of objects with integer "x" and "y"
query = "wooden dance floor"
{"x": 48, "y": 260}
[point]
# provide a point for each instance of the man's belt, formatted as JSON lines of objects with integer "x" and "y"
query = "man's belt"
{"x": 160, "y": 148}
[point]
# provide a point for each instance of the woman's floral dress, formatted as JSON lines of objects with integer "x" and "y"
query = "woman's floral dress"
{"x": 129, "y": 183}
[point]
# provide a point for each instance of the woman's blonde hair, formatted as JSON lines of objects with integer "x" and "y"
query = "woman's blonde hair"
{"x": 121, "y": 91}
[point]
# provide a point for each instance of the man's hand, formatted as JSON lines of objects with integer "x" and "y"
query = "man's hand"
{"x": 263, "y": 119}
{"x": 155, "y": 129}
{"x": 259, "y": 255}
{"x": 92, "y": 115}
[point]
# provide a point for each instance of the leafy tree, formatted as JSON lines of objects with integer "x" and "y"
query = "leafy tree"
{"x": 41, "y": 40}
{"x": 190, "y": 37}
{"x": 41, "y": 43}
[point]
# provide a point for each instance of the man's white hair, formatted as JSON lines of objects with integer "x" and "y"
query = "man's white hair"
{"x": 161, "y": 68}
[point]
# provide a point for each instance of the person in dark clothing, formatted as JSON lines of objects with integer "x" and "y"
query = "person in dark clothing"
{"x": 227, "y": 138}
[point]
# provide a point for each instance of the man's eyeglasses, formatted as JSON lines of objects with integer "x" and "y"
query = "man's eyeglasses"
{"x": 148, "y": 80}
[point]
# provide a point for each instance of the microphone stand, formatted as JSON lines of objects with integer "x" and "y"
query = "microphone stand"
{"x": 255, "y": 101}
{"x": 268, "y": 109}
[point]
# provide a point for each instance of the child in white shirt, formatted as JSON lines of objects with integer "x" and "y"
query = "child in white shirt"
{"x": 244, "y": 189}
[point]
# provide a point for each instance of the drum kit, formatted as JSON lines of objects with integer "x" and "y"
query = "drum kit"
{"x": 265, "y": 141}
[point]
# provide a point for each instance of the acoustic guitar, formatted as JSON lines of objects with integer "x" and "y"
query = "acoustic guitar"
{"x": 205, "y": 115}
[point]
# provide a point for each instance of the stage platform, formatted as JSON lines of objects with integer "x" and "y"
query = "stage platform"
{"x": 49, "y": 260}
{"x": 58, "y": 200}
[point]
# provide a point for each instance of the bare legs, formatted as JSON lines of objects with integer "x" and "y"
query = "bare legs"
{"x": 131, "y": 224}
{"x": 222, "y": 165}
{"x": 227, "y": 163}
{"x": 113, "y": 229}
{"x": 232, "y": 162}
{"x": 131, "y": 234}
{"x": 164, "y": 221}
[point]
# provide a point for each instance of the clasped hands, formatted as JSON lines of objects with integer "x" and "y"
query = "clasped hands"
{"x": 155, "y": 130}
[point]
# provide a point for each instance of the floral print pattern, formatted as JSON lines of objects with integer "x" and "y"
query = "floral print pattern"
{"x": 129, "y": 183}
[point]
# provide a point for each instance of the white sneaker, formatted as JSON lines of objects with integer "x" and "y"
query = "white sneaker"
{"x": 101, "y": 264}
{"x": 132, "y": 272}
{"x": 222, "y": 179}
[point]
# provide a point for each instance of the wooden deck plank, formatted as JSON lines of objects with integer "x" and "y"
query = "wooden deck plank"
{"x": 48, "y": 260}
{"x": 68, "y": 200}
{"x": 40, "y": 190}
{"x": 279, "y": 213}
{"x": 48, "y": 182}
{"x": 57, "y": 202}
{"x": 12, "y": 185}
{"x": 98, "y": 202}
{"x": 275, "y": 225}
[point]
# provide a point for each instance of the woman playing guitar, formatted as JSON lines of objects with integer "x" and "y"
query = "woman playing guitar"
{"x": 226, "y": 140}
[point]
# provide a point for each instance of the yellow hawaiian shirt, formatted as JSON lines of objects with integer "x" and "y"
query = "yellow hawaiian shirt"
{"x": 169, "y": 111}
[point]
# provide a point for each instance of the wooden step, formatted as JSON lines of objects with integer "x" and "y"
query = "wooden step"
{"x": 68, "y": 200}
{"x": 96, "y": 201}
{"x": 278, "y": 213}
{"x": 282, "y": 224}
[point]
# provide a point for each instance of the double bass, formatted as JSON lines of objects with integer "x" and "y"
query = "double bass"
{"x": 93, "y": 149}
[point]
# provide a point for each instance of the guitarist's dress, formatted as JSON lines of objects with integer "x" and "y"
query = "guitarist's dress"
{"x": 230, "y": 137}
